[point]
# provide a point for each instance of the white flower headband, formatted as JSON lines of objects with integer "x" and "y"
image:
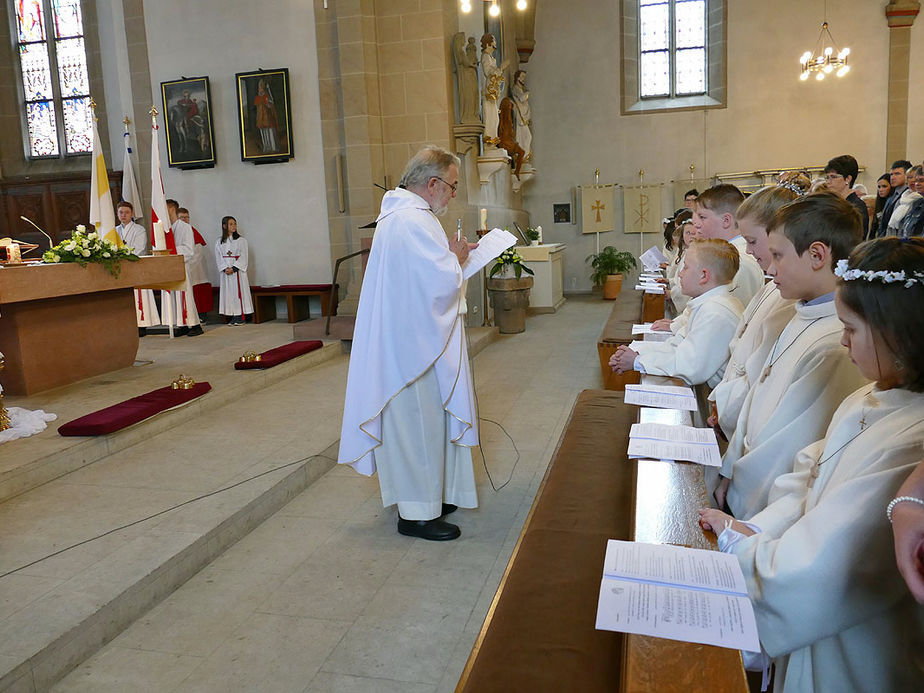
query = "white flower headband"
{"x": 787, "y": 185}
{"x": 885, "y": 276}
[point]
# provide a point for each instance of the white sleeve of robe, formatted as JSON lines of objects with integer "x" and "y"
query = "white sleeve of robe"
{"x": 135, "y": 237}
{"x": 700, "y": 353}
{"x": 822, "y": 574}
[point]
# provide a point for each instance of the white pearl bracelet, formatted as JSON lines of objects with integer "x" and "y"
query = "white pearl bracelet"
{"x": 896, "y": 501}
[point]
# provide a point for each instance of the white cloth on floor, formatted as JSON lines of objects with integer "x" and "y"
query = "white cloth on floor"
{"x": 25, "y": 423}
{"x": 811, "y": 374}
{"x": 831, "y": 606}
{"x": 763, "y": 320}
{"x": 135, "y": 236}
{"x": 408, "y": 321}
{"x": 699, "y": 350}
{"x": 234, "y": 289}
{"x": 419, "y": 467}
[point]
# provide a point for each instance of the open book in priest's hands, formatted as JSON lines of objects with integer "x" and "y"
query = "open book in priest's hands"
{"x": 678, "y": 593}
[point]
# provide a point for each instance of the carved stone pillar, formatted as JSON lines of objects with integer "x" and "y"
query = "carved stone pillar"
{"x": 900, "y": 15}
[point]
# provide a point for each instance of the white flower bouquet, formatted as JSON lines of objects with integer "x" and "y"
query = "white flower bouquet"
{"x": 84, "y": 247}
{"x": 510, "y": 258}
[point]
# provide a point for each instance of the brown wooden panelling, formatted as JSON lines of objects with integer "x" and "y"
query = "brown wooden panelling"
{"x": 57, "y": 204}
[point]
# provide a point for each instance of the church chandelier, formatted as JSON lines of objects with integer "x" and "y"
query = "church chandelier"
{"x": 494, "y": 9}
{"x": 827, "y": 57}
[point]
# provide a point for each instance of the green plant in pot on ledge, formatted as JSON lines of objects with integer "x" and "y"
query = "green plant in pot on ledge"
{"x": 607, "y": 268}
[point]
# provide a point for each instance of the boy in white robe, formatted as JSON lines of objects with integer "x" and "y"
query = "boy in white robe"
{"x": 134, "y": 236}
{"x": 807, "y": 373}
{"x": 185, "y": 315}
{"x": 831, "y": 606}
{"x": 764, "y": 317}
{"x": 699, "y": 351}
{"x": 410, "y": 408}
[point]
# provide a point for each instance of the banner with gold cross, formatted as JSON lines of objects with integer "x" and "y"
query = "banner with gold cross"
{"x": 597, "y": 208}
{"x": 642, "y": 209}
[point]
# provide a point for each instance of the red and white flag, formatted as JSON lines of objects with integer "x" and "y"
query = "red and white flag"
{"x": 158, "y": 198}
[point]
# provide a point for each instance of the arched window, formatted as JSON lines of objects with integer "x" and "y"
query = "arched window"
{"x": 54, "y": 77}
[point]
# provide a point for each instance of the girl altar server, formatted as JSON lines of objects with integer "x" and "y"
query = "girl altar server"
{"x": 231, "y": 256}
{"x": 767, "y": 313}
{"x": 832, "y": 610}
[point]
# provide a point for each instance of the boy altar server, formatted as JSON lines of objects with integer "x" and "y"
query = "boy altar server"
{"x": 698, "y": 351}
{"x": 807, "y": 373}
{"x": 134, "y": 236}
{"x": 185, "y": 315}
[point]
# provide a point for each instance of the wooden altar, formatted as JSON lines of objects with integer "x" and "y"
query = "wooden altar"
{"x": 62, "y": 323}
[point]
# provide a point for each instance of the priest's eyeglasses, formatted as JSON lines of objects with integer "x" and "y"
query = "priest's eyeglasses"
{"x": 448, "y": 183}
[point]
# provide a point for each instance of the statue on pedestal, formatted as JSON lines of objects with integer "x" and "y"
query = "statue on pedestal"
{"x": 507, "y": 138}
{"x": 491, "y": 89}
{"x": 520, "y": 95}
{"x": 466, "y": 59}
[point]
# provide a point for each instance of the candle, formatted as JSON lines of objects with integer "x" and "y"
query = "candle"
{"x": 160, "y": 241}
{"x": 484, "y": 218}
{"x": 539, "y": 230}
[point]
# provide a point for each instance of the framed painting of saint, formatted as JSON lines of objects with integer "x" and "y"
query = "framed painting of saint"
{"x": 265, "y": 116}
{"x": 188, "y": 119}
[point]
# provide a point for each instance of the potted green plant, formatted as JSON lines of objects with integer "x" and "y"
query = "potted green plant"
{"x": 532, "y": 235}
{"x": 607, "y": 267}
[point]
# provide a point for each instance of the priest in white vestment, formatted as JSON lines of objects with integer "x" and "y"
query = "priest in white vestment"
{"x": 410, "y": 408}
{"x": 135, "y": 237}
{"x": 185, "y": 314}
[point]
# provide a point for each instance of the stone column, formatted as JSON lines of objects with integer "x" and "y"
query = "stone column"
{"x": 900, "y": 15}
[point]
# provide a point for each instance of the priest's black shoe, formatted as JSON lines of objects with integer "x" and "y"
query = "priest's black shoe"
{"x": 449, "y": 508}
{"x": 181, "y": 331}
{"x": 194, "y": 331}
{"x": 434, "y": 530}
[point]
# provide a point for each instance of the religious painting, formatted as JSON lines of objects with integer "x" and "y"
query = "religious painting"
{"x": 561, "y": 213}
{"x": 642, "y": 209}
{"x": 265, "y": 116}
{"x": 188, "y": 119}
{"x": 597, "y": 205}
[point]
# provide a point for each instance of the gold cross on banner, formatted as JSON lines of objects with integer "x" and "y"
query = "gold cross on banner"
{"x": 598, "y": 208}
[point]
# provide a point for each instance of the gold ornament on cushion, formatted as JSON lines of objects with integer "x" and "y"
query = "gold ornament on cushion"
{"x": 183, "y": 382}
{"x": 250, "y": 356}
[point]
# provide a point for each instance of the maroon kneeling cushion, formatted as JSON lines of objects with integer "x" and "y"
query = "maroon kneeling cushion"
{"x": 274, "y": 357}
{"x": 131, "y": 411}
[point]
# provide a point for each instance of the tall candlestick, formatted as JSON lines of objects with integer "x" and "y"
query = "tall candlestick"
{"x": 160, "y": 240}
{"x": 484, "y": 218}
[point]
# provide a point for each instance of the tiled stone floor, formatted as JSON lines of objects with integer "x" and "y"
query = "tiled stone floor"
{"x": 325, "y": 595}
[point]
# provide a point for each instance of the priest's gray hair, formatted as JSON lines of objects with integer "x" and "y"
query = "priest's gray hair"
{"x": 429, "y": 162}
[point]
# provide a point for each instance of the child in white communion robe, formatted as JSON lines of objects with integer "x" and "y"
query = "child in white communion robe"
{"x": 832, "y": 609}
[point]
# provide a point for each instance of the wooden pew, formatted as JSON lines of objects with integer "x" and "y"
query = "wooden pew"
{"x": 297, "y": 300}
{"x": 539, "y": 632}
{"x": 627, "y": 310}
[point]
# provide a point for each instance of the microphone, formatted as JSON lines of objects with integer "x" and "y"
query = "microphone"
{"x": 51, "y": 243}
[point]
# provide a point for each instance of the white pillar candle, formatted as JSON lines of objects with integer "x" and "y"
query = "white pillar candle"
{"x": 539, "y": 230}
{"x": 160, "y": 241}
{"x": 484, "y": 218}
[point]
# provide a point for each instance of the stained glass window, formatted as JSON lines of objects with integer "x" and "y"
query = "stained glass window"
{"x": 672, "y": 47}
{"x": 55, "y": 79}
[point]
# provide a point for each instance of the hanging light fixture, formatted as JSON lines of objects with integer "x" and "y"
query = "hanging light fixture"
{"x": 826, "y": 58}
{"x": 466, "y": 6}
{"x": 494, "y": 10}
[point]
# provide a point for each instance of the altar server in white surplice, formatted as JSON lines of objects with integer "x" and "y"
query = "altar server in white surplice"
{"x": 832, "y": 609}
{"x": 764, "y": 317}
{"x": 714, "y": 217}
{"x": 231, "y": 257}
{"x": 699, "y": 350}
{"x": 134, "y": 236}
{"x": 185, "y": 314}
{"x": 807, "y": 373}
{"x": 409, "y": 412}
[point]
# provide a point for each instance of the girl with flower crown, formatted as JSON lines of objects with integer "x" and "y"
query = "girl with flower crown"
{"x": 832, "y": 610}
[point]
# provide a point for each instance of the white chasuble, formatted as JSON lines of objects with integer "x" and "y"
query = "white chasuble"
{"x": 806, "y": 376}
{"x": 184, "y": 304}
{"x": 408, "y": 322}
{"x": 750, "y": 277}
{"x": 698, "y": 351}
{"x": 234, "y": 289}
{"x": 831, "y": 606}
{"x": 763, "y": 320}
{"x": 135, "y": 237}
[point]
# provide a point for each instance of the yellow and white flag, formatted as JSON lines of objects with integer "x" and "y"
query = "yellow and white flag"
{"x": 102, "y": 215}
{"x": 597, "y": 208}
